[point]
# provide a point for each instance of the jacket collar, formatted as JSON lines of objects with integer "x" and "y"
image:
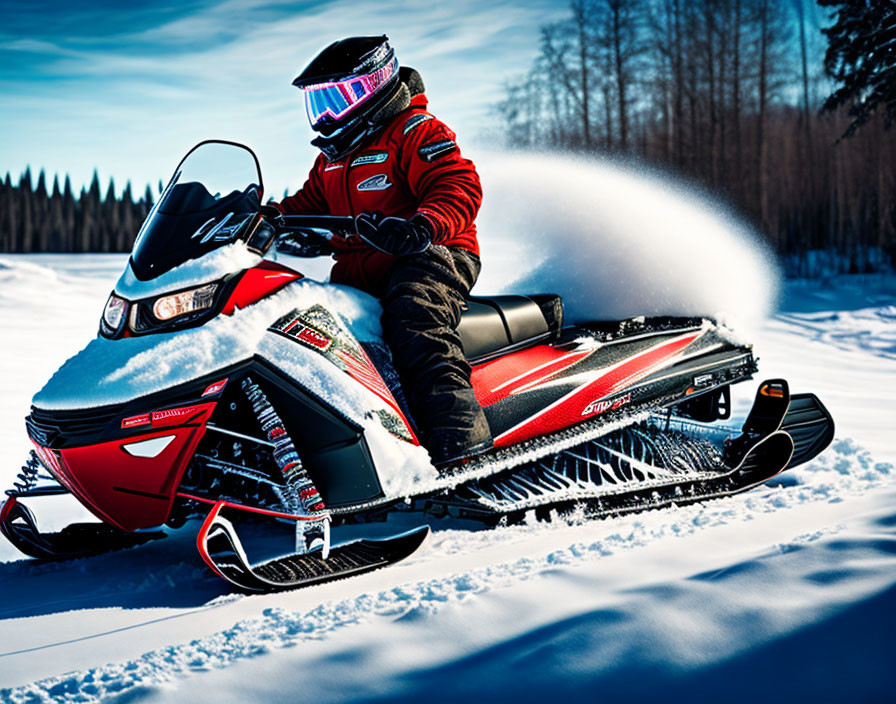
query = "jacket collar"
{"x": 419, "y": 101}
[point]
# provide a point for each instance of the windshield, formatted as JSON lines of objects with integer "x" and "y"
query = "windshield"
{"x": 211, "y": 200}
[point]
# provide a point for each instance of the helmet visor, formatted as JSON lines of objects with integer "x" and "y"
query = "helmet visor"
{"x": 337, "y": 99}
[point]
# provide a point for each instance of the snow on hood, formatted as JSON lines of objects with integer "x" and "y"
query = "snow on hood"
{"x": 194, "y": 272}
{"x": 114, "y": 371}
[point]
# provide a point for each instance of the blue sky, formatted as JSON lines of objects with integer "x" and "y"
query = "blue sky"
{"x": 127, "y": 88}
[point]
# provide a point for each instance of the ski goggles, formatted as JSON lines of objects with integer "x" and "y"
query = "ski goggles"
{"x": 339, "y": 98}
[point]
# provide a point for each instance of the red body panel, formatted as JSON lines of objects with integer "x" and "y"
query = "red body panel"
{"x": 516, "y": 372}
{"x": 600, "y": 390}
{"x": 127, "y": 491}
{"x": 257, "y": 283}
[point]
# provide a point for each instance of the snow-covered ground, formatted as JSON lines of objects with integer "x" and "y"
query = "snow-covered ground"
{"x": 786, "y": 592}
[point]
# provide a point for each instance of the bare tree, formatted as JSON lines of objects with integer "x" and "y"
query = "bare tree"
{"x": 721, "y": 91}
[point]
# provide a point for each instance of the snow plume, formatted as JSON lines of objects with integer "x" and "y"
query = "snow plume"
{"x": 617, "y": 241}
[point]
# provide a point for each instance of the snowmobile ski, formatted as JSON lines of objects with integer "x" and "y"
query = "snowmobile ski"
{"x": 222, "y": 550}
{"x": 18, "y": 524}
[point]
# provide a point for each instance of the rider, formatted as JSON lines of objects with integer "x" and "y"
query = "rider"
{"x": 394, "y": 167}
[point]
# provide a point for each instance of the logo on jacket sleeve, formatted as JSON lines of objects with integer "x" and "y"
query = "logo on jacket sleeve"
{"x": 373, "y": 158}
{"x": 436, "y": 150}
{"x": 379, "y": 182}
{"x": 415, "y": 121}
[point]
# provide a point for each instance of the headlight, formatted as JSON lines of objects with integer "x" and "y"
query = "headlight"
{"x": 168, "y": 307}
{"x": 113, "y": 314}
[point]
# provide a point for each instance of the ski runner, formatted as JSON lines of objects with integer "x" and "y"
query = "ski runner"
{"x": 394, "y": 167}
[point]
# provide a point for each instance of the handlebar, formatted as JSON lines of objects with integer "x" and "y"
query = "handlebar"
{"x": 307, "y": 235}
{"x": 332, "y": 224}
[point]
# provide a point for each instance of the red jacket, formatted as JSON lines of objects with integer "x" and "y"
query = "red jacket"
{"x": 413, "y": 166}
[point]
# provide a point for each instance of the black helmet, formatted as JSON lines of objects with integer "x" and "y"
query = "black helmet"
{"x": 350, "y": 88}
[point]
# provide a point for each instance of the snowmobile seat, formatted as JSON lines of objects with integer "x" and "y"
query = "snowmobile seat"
{"x": 501, "y": 324}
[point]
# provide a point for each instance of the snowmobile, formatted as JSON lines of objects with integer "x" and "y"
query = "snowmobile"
{"x": 225, "y": 386}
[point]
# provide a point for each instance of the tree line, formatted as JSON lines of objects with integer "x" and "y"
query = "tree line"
{"x": 729, "y": 93}
{"x": 34, "y": 218}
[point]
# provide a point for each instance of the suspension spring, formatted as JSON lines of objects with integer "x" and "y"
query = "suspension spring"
{"x": 302, "y": 492}
{"x": 28, "y": 476}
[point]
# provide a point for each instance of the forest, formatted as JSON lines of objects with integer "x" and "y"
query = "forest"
{"x": 737, "y": 97}
{"x": 35, "y": 219}
{"x": 778, "y": 107}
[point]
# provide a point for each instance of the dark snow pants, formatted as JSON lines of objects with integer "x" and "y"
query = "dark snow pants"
{"x": 422, "y": 304}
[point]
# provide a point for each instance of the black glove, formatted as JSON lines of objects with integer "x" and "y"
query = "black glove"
{"x": 395, "y": 236}
{"x": 304, "y": 243}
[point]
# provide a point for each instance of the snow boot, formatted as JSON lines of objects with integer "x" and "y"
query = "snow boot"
{"x": 454, "y": 426}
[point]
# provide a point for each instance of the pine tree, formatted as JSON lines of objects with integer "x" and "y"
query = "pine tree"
{"x": 41, "y": 210}
{"x": 84, "y": 224}
{"x": 69, "y": 215}
{"x": 25, "y": 239}
{"x": 11, "y": 220}
{"x": 6, "y": 204}
{"x": 89, "y": 216}
{"x": 110, "y": 220}
{"x": 55, "y": 219}
{"x": 861, "y": 58}
{"x": 128, "y": 220}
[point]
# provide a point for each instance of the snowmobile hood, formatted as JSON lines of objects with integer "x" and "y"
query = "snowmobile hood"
{"x": 109, "y": 373}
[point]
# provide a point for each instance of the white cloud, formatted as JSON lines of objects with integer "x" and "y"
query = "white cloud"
{"x": 133, "y": 115}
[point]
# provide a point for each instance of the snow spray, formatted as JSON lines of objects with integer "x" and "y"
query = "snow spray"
{"x": 618, "y": 241}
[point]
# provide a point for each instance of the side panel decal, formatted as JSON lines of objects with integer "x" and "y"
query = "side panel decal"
{"x": 596, "y": 387}
{"x": 317, "y": 329}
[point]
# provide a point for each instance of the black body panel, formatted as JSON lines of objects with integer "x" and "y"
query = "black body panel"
{"x": 332, "y": 448}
